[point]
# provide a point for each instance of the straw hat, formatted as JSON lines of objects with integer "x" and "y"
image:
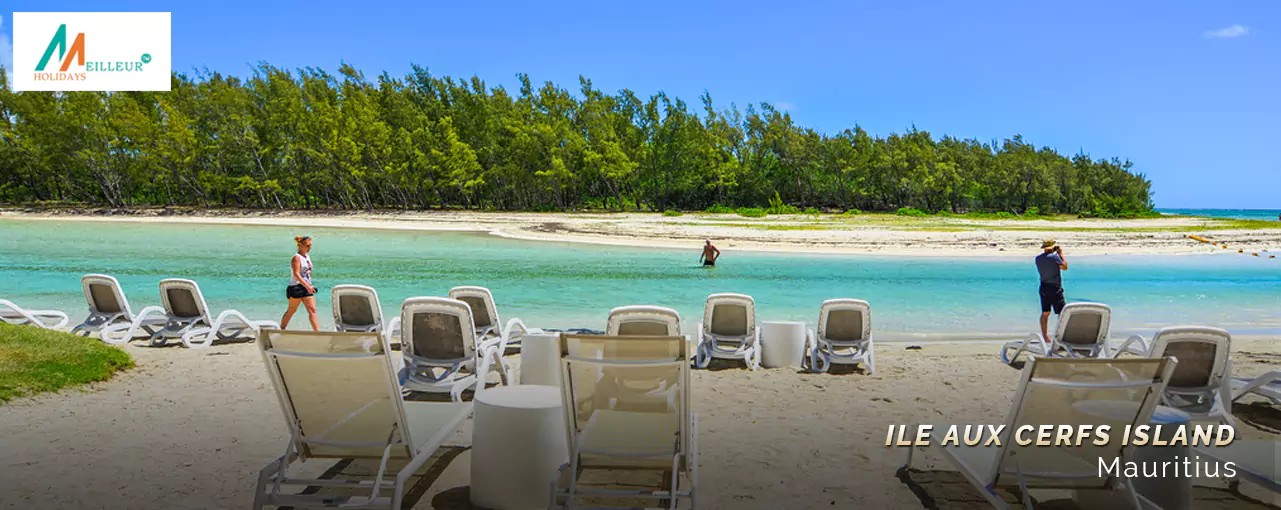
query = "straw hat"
{"x": 1047, "y": 244}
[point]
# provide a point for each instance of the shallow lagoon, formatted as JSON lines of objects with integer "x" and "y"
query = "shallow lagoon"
{"x": 574, "y": 285}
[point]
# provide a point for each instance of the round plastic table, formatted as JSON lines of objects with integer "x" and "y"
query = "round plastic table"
{"x": 518, "y": 446}
{"x": 782, "y": 344}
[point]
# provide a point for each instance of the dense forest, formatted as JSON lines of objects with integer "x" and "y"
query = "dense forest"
{"x": 308, "y": 139}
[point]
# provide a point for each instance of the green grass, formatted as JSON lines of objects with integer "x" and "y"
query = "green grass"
{"x": 34, "y": 360}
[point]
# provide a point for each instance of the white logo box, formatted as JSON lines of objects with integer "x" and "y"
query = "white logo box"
{"x": 114, "y": 47}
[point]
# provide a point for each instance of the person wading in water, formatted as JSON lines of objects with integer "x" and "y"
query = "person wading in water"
{"x": 710, "y": 254}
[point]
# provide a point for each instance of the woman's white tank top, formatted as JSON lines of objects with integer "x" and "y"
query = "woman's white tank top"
{"x": 304, "y": 269}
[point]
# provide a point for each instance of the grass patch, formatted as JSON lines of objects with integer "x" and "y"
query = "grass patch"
{"x": 672, "y": 212}
{"x": 34, "y": 360}
{"x": 751, "y": 212}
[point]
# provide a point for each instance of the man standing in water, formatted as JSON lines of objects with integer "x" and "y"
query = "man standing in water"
{"x": 710, "y": 254}
{"x": 1049, "y": 264}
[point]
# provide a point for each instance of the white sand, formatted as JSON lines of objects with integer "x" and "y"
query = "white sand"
{"x": 191, "y": 428}
{"x": 876, "y": 234}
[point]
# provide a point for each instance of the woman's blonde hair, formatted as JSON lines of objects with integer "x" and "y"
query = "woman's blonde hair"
{"x": 300, "y": 239}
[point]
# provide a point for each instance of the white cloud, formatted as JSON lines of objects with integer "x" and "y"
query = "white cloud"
{"x": 1231, "y": 32}
{"x": 6, "y": 51}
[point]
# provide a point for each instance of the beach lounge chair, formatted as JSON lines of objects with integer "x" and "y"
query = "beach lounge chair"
{"x": 440, "y": 347}
{"x": 1267, "y": 385}
{"x": 1256, "y": 461}
{"x": 485, "y": 312}
{"x": 1201, "y": 386}
{"x": 643, "y": 320}
{"x": 1073, "y": 392}
{"x": 107, "y": 305}
{"x": 186, "y": 317}
{"x": 341, "y": 400}
{"x": 608, "y": 434}
{"x": 844, "y": 335}
{"x": 47, "y": 319}
{"x": 356, "y": 308}
{"x": 729, "y": 330}
{"x": 1082, "y": 331}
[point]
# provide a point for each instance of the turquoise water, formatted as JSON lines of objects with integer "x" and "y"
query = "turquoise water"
{"x": 1240, "y": 214}
{"x": 564, "y": 285}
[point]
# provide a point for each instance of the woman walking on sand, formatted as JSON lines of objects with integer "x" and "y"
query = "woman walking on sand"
{"x": 300, "y": 290}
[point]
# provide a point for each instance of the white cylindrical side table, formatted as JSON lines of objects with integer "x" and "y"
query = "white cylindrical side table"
{"x": 782, "y": 344}
{"x": 540, "y": 359}
{"x": 518, "y": 446}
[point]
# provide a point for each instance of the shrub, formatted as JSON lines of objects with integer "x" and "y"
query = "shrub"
{"x": 852, "y": 211}
{"x": 1032, "y": 211}
{"x": 719, "y": 209}
{"x": 776, "y": 206}
{"x": 672, "y": 212}
{"x": 813, "y": 211}
{"x": 751, "y": 212}
{"x": 910, "y": 211}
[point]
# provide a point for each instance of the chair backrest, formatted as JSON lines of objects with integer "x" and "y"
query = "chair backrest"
{"x": 1074, "y": 391}
{"x": 845, "y": 320}
{"x": 1202, "y": 353}
{"x": 338, "y": 391}
{"x": 437, "y": 329}
{"x": 1084, "y": 325}
{"x": 356, "y": 307}
{"x": 481, "y": 301}
{"x": 597, "y": 371}
{"x": 729, "y": 315}
{"x": 646, "y": 320}
{"x": 182, "y": 299}
{"x": 103, "y": 294}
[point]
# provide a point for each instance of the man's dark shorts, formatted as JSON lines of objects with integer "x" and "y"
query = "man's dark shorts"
{"x": 1052, "y": 298}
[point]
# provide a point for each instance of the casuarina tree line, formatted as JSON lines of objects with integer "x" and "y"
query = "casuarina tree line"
{"x": 306, "y": 139}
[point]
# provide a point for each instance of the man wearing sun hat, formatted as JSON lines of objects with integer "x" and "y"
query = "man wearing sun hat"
{"x": 1049, "y": 264}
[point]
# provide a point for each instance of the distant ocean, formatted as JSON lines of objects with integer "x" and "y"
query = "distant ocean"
{"x": 1240, "y": 214}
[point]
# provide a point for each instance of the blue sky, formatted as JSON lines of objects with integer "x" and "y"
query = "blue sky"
{"x": 1190, "y": 91}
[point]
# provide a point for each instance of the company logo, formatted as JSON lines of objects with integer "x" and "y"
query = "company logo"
{"x": 91, "y": 51}
{"x": 77, "y": 53}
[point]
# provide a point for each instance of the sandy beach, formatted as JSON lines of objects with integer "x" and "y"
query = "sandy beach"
{"x": 861, "y": 234}
{"x": 191, "y": 428}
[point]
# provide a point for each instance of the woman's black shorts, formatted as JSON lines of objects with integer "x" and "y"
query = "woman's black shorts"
{"x": 298, "y": 291}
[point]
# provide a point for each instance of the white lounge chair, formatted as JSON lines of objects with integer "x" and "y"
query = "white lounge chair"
{"x": 186, "y": 317}
{"x": 356, "y": 308}
{"x": 47, "y": 319}
{"x": 729, "y": 330}
{"x": 107, "y": 305}
{"x": 1082, "y": 331}
{"x": 440, "y": 347}
{"x": 1118, "y": 393}
{"x": 844, "y": 335}
{"x": 1257, "y": 461}
{"x": 608, "y": 433}
{"x": 485, "y": 312}
{"x": 643, "y": 320}
{"x": 340, "y": 399}
{"x": 1267, "y": 385}
{"x": 1201, "y": 386}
